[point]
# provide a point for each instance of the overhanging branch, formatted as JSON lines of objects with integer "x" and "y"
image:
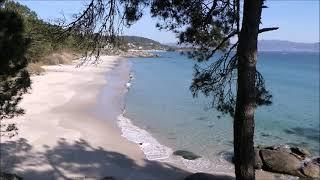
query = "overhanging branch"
{"x": 267, "y": 29}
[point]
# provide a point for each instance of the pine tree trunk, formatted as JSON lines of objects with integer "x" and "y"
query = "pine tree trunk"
{"x": 246, "y": 91}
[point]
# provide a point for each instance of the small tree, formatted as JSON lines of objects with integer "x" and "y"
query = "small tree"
{"x": 208, "y": 26}
{"x": 14, "y": 79}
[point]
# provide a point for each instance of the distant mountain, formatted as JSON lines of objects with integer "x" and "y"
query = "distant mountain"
{"x": 142, "y": 43}
{"x": 276, "y": 45}
{"x": 287, "y": 46}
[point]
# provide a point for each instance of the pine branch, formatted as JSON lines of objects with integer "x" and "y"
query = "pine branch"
{"x": 267, "y": 29}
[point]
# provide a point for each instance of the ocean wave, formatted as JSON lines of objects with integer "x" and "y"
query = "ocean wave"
{"x": 148, "y": 144}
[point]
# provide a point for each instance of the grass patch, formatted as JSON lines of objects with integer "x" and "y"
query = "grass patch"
{"x": 59, "y": 58}
{"x": 35, "y": 69}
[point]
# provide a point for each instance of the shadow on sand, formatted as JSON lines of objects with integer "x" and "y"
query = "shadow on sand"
{"x": 79, "y": 160}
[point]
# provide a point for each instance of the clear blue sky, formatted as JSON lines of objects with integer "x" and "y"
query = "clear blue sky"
{"x": 298, "y": 20}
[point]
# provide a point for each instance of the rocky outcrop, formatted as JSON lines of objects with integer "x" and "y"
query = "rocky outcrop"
{"x": 302, "y": 153}
{"x": 257, "y": 159}
{"x": 311, "y": 170}
{"x": 287, "y": 160}
{"x": 280, "y": 161}
{"x": 294, "y": 161}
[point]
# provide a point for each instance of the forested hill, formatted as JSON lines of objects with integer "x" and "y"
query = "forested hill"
{"x": 142, "y": 43}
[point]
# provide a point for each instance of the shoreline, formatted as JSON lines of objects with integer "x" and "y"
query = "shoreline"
{"x": 70, "y": 130}
{"x": 59, "y": 138}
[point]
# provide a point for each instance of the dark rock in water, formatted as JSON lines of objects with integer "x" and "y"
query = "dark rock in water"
{"x": 8, "y": 176}
{"x": 280, "y": 161}
{"x": 186, "y": 154}
{"x": 108, "y": 178}
{"x": 205, "y": 176}
{"x": 201, "y": 118}
{"x": 172, "y": 138}
{"x": 257, "y": 159}
{"x": 265, "y": 134}
{"x": 289, "y": 131}
{"x": 311, "y": 170}
{"x": 303, "y": 153}
{"x": 140, "y": 143}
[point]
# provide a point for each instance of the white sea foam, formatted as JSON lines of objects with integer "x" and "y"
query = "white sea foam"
{"x": 148, "y": 144}
{"x": 153, "y": 150}
{"x": 128, "y": 85}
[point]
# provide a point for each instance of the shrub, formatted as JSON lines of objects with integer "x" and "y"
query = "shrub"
{"x": 35, "y": 69}
{"x": 61, "y": 58}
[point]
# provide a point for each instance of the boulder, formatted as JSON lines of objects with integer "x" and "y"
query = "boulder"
{"x": 186, "y": 154}
{"x": 280, "y": 161}
{"x": 311, "y": 170}
{"x": 301, "y": 152}
{"x": 205, "y": 176}
{"x": 279, "y": 148}
{"x": 257, "y": 159}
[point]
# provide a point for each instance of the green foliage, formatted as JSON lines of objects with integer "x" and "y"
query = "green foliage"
{"x": 14, "y": 78}
{"x": 44, "y": 37}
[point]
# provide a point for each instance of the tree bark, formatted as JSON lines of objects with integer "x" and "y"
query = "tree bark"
{"x": 246, "y": 91}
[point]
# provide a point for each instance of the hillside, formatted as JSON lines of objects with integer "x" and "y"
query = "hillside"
{"x": 142, "y": 43}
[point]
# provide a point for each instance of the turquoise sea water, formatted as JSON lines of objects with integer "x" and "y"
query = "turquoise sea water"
{"x": 159, "y": 101}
